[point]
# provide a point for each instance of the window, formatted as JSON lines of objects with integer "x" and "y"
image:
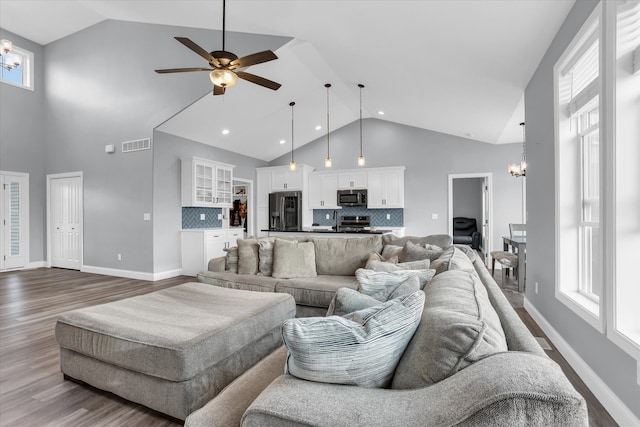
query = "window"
{"x": 579, "y": 245}
{"x": 22, "y": 75}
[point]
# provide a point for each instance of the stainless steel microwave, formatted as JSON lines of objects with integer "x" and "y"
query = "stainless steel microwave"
{"x": 352, "y": 197}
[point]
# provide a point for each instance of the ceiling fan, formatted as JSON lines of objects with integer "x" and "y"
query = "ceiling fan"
{"x": 225, "y": 65}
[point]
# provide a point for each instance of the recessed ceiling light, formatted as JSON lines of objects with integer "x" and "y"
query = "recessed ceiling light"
{"x": 318, "y": 127}
{"x": 282, "y": 141}
{"x": 225, "y": 131}
{"x": 381, "y": 112}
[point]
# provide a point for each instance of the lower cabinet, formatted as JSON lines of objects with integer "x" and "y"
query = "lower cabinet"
{"x": 199, "y": 246}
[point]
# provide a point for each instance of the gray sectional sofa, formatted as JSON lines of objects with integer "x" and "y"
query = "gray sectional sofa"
{"x": 470, "y": 362}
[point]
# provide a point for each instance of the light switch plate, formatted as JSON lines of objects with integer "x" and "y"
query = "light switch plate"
{"x": 434, "y": 216}
{"x": 146, "y": 216}
{"x": 202, "y": 217}
{"x": 388, "y": 216}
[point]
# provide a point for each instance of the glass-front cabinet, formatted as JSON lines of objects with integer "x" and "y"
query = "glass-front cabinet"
{"x": 206, "y": 183}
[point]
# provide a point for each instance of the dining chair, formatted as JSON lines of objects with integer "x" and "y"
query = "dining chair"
{"x": 507, "y": 259}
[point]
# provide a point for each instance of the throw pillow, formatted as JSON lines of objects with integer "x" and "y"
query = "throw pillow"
{"x": 459, "y": 326}
{"x": 468, "y": 251}
{"x": 390, "y": 251}
{"x": 248, "y": 256}
{"x": 452, "y": 259}
{"x": 293, "y": 259}
{"x": 414, "y": 252}
{"x": 342, "y": 257}
{"x": 376, "y": 257}
{"x": 347, "y": 300}
{"x": 265, "y": 256}
{"x": 441, "y": 240}
{"x": 362, "y": 348}
{"x": 390, "y": 266}
{"x": 372, "y": 282}
{"x": 231, "y": 259}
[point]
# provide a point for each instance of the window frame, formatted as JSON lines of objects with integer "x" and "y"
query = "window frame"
{"x": 27, "y": 69}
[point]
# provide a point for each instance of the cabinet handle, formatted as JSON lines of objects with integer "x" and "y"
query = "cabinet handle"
{"x": 351, "y": 184}
{"x": 285, "y": 185}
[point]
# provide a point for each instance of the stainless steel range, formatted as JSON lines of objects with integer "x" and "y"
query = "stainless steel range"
{"x": 354, "y": 223}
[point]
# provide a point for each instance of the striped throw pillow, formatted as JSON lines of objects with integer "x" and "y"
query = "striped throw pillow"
{"x": 362, "y": 348}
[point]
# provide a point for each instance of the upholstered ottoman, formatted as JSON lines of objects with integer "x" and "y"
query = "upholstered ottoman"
{"x": 172, "y": 350}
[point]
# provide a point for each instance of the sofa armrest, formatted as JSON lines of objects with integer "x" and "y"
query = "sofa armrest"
{"x": 217, "y": 264}
{"x": 514, "y": 389}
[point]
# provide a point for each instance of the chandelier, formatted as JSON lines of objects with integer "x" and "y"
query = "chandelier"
{"x": 519, "y": 170}
{"x": 8, "y": 61}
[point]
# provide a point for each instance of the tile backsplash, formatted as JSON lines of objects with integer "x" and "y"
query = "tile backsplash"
{"x": 191, "y": 217}
{"x": 378, "y": 216}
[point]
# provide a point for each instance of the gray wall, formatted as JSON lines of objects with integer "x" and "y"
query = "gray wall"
{"x": 22, "y": 134}
{"x": 168, "y": 149}
{"x": 610, "y": 363}
{"x": 467, "y": 198}
{"x": 99, "y": 89}
{"x": 429, "y": 158}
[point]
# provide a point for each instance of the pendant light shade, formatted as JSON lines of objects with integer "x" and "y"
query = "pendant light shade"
{"x": 292, "y": 163}
{"x": 327, "y": 161}
{"x": 361, "y": 158}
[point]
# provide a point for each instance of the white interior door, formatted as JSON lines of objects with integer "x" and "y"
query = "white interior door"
{"x": 14, "y": 220}
{"x": 65, "y": 222}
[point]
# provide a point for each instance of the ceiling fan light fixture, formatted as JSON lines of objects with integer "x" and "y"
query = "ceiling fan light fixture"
{"x": 223, "y": 78}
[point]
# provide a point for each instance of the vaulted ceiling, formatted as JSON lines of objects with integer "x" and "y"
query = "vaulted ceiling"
{"x": 455, "y": 66}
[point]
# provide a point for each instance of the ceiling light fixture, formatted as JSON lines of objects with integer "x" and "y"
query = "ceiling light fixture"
{"x": 381, "y": 113}
{"x": 292, "y": 163}
{"x": 521, "y": 169}
{"x": 223, "y": 78}
{"x": 282, "y": 141}
{"x": 327, "y": 161}
{"x": 225, "y": 131}
{"x": 8, "y": 61}
{"x": 318, "y": 127}
{"x": 361, "y": 158}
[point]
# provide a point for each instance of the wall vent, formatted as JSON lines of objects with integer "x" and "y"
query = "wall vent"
{"x": 136, "y": 145}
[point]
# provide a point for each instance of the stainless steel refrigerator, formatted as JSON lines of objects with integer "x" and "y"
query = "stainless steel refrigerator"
{"x": 285, "y": 211}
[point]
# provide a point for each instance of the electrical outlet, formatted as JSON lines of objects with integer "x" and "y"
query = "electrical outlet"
{"x": 536, "y": 288}
{"x": 388, "y": 217}
{"x": 327, "y": 216}
{"x": 220, "y": 217}
{"x": 434, "y": 216}
{"x": 202, "y": 217}
{"x": 119, "y": 257}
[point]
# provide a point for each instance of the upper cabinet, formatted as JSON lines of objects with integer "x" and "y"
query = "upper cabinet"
{"x": 206, "y": 183}
{"x": 323, "y": 189}
{"x": 386, "y": 187}
{"x": 284, "y": 179}
{"x": 348, "y": 180}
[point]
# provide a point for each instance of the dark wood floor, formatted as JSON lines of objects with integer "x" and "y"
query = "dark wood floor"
{"x": 32, "y": 390}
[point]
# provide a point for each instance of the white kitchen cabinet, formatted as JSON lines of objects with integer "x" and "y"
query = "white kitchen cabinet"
{"x": 348, "y": 180}
{"x": 200, "y": 245}
{"x": 206, "y": 183}
{"x": 323, "y": 188}
{"x": 385, "y": 188}
{"x": 284, "y": 179}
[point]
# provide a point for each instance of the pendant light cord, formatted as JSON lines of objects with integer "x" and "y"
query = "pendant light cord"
{"x": 360, "y": 86}
{"x": 328, "y": 85}
{"x": 292, "y": 104}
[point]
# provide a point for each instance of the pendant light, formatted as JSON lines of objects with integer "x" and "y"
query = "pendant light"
{"x": 292, "y": 163}
{"x": 327, "y": 161}
{"x": 361, "y": 158}
{"x": 521, "y": 169}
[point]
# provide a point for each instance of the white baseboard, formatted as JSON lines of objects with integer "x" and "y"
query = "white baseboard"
{"x": 37, "y": 264}
{"x": 618, "y": 410}
{"x": 130, "y": 274}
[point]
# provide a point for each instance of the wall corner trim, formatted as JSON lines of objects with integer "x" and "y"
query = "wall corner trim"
{"x": 618, "y": 410}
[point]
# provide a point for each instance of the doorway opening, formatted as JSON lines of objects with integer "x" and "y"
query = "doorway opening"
{"x": 243, "y": 199}
{"x": 65, "y": 220}
{"x": 470, "y": 196}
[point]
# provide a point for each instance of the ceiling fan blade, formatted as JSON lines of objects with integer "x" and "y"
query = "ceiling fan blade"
{"x": 197, "y": 49}
{"x": 254, "y": 58}
{"x": 217, "y": 90}
{"x": 258, "y": 80}
{"x": 182, "y": 70}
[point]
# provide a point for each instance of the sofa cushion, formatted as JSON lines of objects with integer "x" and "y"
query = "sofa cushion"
{"x": 442, "y": 240}
{"x": 372, "y": 282}
{"x": 458, "y": 327}
{"x": 452, "y": 259}
{"x": 293, "y": 259}
{"x": 468, "y": 251}
{"x": 231, "y": 259}
{"x": 316, "y": 291}
{"x": 414, "y": 252}
{"x": 376, "y": 257}
{"x": 247, "y": 282}
{"x": 342, "y": 257}
{"x": 390, "y": 251}
{"x": 360, "y": 349}
{"x": 348, "y": 300}
{"x": 390, "y": 266}
{"x": 248, "y": 258}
